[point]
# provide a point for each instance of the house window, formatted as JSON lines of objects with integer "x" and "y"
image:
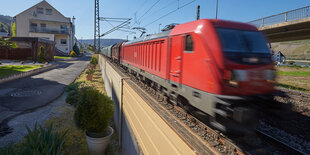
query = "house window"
{"x": 33, "y": 24}
{"x": 43, "y": 25}
{"x": 48, "y": 11}
{"x": 189, "y": 44}
{"x": 40, "y": 11}
{"x": 63, "y": 41}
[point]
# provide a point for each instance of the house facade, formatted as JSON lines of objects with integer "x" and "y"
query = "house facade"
{"x": 44, "y": 21}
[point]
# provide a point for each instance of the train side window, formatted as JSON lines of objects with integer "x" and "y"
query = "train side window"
{"x": 189, "y": 44}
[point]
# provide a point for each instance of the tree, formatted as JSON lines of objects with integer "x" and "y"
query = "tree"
{"x": 41, "y": 55}
{"x": 76, "y": 49}
{"x": 13, "y": 29}
{"x": 6, "y": 43}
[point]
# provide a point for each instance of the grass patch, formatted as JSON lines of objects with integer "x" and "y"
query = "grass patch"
{"x": 14, "y": 69}
{"x": 292, "y": 87}
{"x": 61, "y": 57}
{"x": 293, "y": 73}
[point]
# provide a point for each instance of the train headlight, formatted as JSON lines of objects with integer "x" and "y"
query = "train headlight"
{"x": 270, "y": 75}
{"x": 232, "y": 77}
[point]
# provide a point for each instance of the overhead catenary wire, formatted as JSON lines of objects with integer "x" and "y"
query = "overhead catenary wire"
{"x": 149, "y": 9}
{"x": 169, "y": 13}
{"x": 156, "y": 11}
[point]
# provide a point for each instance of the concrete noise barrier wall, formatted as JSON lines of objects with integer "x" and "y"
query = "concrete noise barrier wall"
{"x": 141, "y": 130}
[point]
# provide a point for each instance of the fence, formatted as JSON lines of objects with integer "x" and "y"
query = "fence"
{"x": 288, "y": 16}
{"x": 16, "y": 53}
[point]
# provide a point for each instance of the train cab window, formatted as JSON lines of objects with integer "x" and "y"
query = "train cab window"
{"x": 189, "y": 45}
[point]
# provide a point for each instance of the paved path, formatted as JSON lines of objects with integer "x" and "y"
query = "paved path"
{"x": 30, "y": 93}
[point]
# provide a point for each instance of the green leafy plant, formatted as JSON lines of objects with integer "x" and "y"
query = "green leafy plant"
{"x": 90, "y": 71}
{"x": 13, "y": 29}
{"x": 41, "y": 55}
{"x": 43, "y": 141}
{"x": 74, "y": 94}
{"x": 10, "y": 150}
{"x": 6, "y": 43}
{"x": 94, "y": 60}
{"x": 94, "y": 111}
{"x": 73, "y": 86}
{"x": 76, "y": 49}
{"x": 38, "y": 141}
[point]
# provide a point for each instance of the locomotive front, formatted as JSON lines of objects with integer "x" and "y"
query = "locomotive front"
{"x": 247, "y": 73}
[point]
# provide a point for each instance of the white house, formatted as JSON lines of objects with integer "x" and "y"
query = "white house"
{"x": 279, "y": 57}
{"x": 44, "y": 21}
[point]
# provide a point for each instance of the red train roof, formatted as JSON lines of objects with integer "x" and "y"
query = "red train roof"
{"x": 195, "y": 25}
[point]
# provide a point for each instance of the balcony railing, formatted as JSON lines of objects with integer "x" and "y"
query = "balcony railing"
{"x": 48, "y": 30}
{"x": 283, "y": 17}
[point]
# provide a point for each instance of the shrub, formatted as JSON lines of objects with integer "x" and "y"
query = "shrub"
{"x": 41, "y": 55}
{"x": 72, "y": 54}
{"x": 43, "y": 141}
{"x": 38, "y": 141}
{"x": 73, "y": 95}
{"x": 94, "y": 111}
{"x": 10, "y": 150}
{"x": 76, "y": 49}
{"x": 73, "y": 86}
{"x": 94, "y": 60}
{"x": 73, "y": 98}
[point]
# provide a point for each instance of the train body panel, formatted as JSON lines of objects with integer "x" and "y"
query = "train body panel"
{"x": 116, "y": 50}
{"x": 150, "y": 56}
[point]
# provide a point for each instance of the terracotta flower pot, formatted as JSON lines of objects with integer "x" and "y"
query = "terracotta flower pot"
{"x": 97, "y": 146}
{"x": 89, "y": 77}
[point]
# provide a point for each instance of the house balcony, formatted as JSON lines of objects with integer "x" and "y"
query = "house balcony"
{"x": 49, "y": 30}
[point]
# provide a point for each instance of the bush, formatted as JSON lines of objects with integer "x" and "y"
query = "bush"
{"x": 72, "y": 54}
{"x": 73, "y": 98}
{"x": 73, "y": 86}
{"x": 38, "y": 141}
{"x": 94, "y": 60}
{"x": 94, "y": 111}
{"x": 76, "y": 49}
{"x": 41, "y": 55}
{"x": 73, "y": 95}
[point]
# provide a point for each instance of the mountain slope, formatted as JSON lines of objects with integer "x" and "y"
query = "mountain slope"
{"x": 103, "y": 42}
{"x": 5, "y": 23}
{"x": 294, "y": 49}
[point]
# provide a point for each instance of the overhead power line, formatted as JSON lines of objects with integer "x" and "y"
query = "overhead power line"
{"x": 169, "y": 13}
{"x": 149, "y": 9}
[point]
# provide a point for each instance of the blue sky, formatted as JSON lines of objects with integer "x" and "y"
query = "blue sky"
{"x": 83, "y": 10}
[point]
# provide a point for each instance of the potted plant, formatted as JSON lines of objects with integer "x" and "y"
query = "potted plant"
{"x": 93, "y": 115}
{"x": 90, "y": 71}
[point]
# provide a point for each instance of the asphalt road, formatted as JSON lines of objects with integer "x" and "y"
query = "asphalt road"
{"x": 30, "y": 93}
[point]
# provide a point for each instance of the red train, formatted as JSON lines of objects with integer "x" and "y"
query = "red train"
{"x": 214, "y": 66}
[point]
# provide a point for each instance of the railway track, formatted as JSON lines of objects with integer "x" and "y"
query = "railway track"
{"x": 221, "y": 143}
{"x": 270, "y": 139}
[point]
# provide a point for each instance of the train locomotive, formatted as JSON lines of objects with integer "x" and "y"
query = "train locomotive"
{"x": 219, "y": 68}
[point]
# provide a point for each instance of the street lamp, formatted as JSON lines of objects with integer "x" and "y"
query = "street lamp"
{"x": 217, "y": 4}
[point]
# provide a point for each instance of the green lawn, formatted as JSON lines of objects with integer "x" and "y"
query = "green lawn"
{"x": 293, "y": 73}
{"x": 61, "y": 57}
{"x": 14, "y": 69}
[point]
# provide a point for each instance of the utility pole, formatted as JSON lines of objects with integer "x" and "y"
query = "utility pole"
{"x": 159, "y": 28}
{"x": 97, "y": 28}
{"x": 198, "y": 12}
{"x": 217, "y": 5}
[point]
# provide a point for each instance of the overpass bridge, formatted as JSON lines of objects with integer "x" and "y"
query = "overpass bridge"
{"x": 286, "y": 26}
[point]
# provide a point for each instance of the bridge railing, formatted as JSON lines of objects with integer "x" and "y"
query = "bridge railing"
{"x": 288, "y": 16}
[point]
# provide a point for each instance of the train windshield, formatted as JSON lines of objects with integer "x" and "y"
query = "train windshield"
{"x": 240, "y": 41}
